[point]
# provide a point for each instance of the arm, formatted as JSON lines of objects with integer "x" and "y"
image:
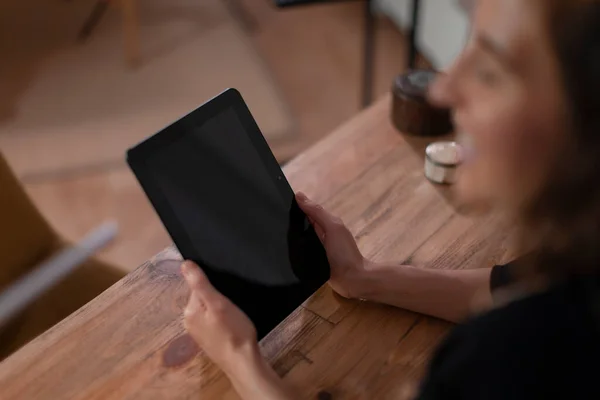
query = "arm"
{"x": 254, "y": 379}
{"x": 445, "y": 294}
{"x": 228, "y": 338}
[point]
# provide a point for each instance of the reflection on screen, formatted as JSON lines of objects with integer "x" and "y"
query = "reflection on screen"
{"x": 254, "y": 244}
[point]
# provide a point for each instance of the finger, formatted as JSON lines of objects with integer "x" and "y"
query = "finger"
{"x": 316, "y": 212}
{"x": 194, "y": 314}
{"x": 320, "y": 232}
{"x": 199, "y": 283}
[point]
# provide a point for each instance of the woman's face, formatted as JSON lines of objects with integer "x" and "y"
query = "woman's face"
{"x": 507, "y": 103}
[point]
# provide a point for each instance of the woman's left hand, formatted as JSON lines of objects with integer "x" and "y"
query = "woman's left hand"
{"x": 223, "y": 331}
{"x": 228, "y": 337}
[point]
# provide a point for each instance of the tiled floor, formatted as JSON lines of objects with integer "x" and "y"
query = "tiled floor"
{"x": 313, "y": 54}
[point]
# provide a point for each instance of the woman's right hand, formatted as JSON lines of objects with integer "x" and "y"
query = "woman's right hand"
{"x": 346, "y": 261}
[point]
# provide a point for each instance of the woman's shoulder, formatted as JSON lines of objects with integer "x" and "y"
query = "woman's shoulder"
{"x": 542, "y": 345}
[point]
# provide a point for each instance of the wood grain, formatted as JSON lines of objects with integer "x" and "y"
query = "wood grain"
{"x": 130, "y": 343}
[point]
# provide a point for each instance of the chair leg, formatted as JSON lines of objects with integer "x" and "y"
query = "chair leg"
{"x": 368, "y": 54}
{"x": 130, "y": 32}
{"x": 246, "y": 20}
{"x": 92, "y": 21}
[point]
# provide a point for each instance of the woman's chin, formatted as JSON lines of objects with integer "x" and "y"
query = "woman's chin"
{"x": 470, "y": 193}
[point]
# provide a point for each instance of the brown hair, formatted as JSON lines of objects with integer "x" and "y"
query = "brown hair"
{"x": 562, "y": 222}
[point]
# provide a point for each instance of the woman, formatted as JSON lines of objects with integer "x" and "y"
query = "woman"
{"x": 525, "y": 96}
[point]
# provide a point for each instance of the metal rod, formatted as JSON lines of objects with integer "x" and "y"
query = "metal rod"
{"x": 368, "y": 54}
{"x": 412, "y": 44}
{"x": 48, "y": 274}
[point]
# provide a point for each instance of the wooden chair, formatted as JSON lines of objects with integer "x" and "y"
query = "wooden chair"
{"x": 26, "y": 239}
{"x": 129, "y": 11}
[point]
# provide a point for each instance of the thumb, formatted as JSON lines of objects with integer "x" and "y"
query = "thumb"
{"x": 198, "y": 282}
{"x": 316, "y": 212}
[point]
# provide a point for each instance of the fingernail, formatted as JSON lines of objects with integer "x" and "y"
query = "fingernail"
{"x": 185, "y": 268}
{"x": 301, "y": 196}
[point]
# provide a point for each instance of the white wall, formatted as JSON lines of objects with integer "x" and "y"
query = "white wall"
{"x": 443, "y": 30}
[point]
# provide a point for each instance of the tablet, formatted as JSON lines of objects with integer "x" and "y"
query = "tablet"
{"x": 227, "y": 205}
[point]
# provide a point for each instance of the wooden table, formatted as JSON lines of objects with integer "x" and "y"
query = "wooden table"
{"x": 129, "y": 343}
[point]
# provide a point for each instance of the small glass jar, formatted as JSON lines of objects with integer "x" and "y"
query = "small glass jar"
{"x": 411, "y": 111}
{"x": 441, "y": 161}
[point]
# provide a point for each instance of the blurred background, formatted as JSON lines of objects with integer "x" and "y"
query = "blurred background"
{"x": 83, "y": 80}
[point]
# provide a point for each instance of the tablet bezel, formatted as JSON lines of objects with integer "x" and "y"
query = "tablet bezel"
{"x": 137, "y": 156}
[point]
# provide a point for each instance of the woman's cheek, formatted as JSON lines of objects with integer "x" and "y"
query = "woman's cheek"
{"x": 489, "y": 174}
{"x": 511, "y": 157}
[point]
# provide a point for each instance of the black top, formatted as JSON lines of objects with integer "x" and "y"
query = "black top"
{"x": 546, "y": 346}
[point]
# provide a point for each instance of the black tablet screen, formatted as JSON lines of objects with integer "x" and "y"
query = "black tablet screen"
{"x": 249, "y": 236}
